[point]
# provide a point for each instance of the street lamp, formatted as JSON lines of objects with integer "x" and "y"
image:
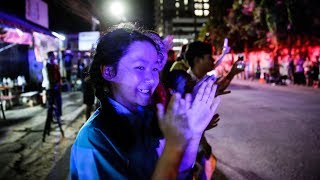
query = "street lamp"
{"x": 117, "y": 9}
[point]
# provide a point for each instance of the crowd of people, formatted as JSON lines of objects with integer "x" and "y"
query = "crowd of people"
{"x": 295, "y": 70}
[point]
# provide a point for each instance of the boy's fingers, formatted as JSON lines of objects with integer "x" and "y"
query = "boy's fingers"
{"x": 215, "y": 104}
{"x": 212, "y": 94}
{"x": 174, "y": 103}
{"x": 160, "y": 111}
{"x": 188, "y": 100}
{"x": 182, "y": 106}
{"x": 200, "y": 92}
{"x": 207, "y": 91}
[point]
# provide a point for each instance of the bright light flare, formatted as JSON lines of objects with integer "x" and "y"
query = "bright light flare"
{"x": 59, "y": 36}
{"x": 117, "y": 9}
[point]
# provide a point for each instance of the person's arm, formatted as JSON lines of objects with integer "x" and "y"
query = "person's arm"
{"x": 169, "y": 162}
{"x": 225, "y": 50}
{"x": 177, "y": 135}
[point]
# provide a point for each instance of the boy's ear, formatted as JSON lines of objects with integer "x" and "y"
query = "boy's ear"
{"x": 108, "y": 72}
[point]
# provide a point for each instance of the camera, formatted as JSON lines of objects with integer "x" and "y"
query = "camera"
{"x": 240, "y": 57}
{"x": 240, "y": 66}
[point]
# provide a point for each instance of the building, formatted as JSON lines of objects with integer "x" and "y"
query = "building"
{"x": 28, "y": 31}
{"x": 181, "y": 18}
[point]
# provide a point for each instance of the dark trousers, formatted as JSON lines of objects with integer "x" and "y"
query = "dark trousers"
{"x": 54, "y": 104}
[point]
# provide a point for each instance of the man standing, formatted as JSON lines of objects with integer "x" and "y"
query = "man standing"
{"x": 53, "y": 93}
{"x": 199, "y": 57}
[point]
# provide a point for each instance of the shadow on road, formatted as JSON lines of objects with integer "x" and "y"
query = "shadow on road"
{"x": 241, "y": 172}
{"x": 218, "y": 175}
{"x": 237, "y": 86}
{"x": 13, "y": 121}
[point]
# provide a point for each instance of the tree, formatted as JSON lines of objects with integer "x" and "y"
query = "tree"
{"x": 271, "y": 24}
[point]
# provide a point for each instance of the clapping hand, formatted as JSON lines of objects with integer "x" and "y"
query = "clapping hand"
{"x": 186, "y": 119}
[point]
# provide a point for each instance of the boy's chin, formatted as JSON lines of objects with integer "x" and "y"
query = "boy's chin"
{"x": 145, "y": 102}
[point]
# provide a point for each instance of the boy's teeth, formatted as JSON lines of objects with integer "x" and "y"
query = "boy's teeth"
{"x": 144, "y": 90}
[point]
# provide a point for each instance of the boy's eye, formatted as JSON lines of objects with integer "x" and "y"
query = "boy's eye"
{"x": 140, "y": 68}
{"x": 155, "y": 69}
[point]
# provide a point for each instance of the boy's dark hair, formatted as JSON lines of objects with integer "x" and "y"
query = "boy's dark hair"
{"x": 111, "y": 47}
{"x": 197, "y": 49}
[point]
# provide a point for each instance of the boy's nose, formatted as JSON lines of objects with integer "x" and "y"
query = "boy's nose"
{"x": 150, "y": 78}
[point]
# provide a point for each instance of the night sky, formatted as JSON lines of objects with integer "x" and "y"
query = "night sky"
{"x": 62, "y": 19}
{"x": 140, "y": 11}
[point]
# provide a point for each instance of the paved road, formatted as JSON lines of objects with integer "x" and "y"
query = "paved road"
{"x": 23, "y": 155}
{"x": 268, "y": 132}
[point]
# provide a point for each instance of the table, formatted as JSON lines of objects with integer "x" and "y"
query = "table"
{"x": 3, "y": 98}
{"x": 1, "y": 105}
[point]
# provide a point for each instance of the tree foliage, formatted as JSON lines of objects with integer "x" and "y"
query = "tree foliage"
{"x": 257, "y": 24}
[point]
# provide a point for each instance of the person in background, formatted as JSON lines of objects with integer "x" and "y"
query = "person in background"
{"x": 314, "y": 72}
{"x": 44, "y": 84}
{"x": 181, "y": 63}
{"x": 87, "y": 87}
{"x": 124, "y": 139}
{"x": 291, "y": 69}
{"x": 284, "y": 70}
{"x": 166, "y": 69}
{"x": 307, "y": 66}
{"x": 298, "y": 71}
{"x": 53, "y": 93}
{"x": 199, "y": 57}
{"x": 67, "y": 59}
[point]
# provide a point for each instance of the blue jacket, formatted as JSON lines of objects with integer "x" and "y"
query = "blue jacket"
{"x": 116, "y": 144}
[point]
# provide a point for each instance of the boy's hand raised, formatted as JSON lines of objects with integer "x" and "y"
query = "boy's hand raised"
{"x": 185, "y": 119}
{"x": 203, "y": 107}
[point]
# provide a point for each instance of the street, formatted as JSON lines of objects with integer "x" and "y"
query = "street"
{"x": 267, "y": 132}
{"x": 23, "y": 155}
{"x": 264, "y": 132}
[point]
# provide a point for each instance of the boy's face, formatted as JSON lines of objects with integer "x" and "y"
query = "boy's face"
{"x": 137, "y": 75}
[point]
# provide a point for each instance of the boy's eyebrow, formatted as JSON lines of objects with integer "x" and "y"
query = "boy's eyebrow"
{"x": 141, "y": 60}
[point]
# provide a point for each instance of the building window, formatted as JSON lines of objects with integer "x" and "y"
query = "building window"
{"x": 198, "y": 12}
{"x": 161, "y": 1}
{"x": 185, "y": 2}
{"x": 206, "y": 12}
{"x": 177, "y": 4}
{"x": 206, "y": 6}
